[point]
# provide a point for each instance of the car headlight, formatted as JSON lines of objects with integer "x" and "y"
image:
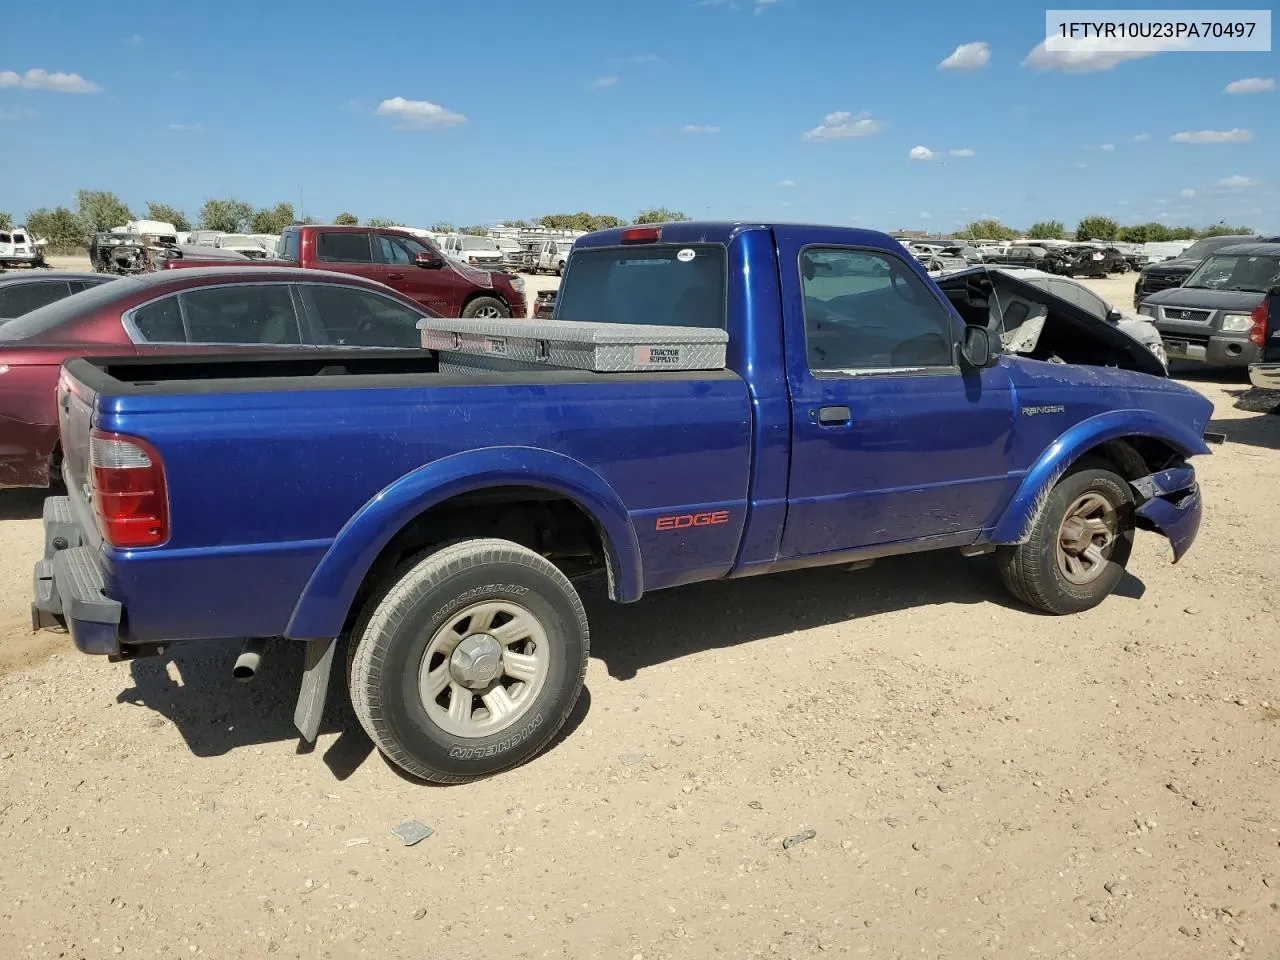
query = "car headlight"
{"x": 1147, "y": 311}
{"x": 517, "y": 284}
{"x": 1237, "y": 322}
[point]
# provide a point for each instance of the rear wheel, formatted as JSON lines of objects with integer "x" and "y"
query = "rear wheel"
{"x": 1079, "y": 544}
{"x": 471, "y": 662}
{"x": 486, "y": 308}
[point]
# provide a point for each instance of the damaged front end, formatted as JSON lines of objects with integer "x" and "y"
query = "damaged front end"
{"x": 1169, "y": 503}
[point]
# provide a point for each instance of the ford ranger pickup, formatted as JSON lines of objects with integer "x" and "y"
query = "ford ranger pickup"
{"x": 433, "y": 509}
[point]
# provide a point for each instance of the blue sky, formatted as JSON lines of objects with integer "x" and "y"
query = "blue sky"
{"x": 783, "y": 109}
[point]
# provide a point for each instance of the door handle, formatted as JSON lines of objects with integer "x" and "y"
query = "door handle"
{"x": 833, "y": 416}
{"x": 395, "y": 276}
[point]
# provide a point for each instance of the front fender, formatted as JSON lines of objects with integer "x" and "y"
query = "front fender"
{"x": 1014, "y": 525}
{"x": 322, "y": 609}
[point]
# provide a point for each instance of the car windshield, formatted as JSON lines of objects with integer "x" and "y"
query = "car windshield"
{"x": 1250, "y": 274}
{"x": 1202, "y": 248}
{"x": 478, "y": 243}
{"x": 676, "y": 285}
{"x": 44, "y": 319}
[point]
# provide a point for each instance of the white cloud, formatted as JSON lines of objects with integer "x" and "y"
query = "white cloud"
{"x": 1092, "y": 55}
{"x": 1188, "y": 193}
{"x": 926, "y": 216}
{"x": 1237, "y": 182}
{"x": 967, "y": 57}
{"x": 1081, "y": 166}
{"x": 699, "y": 128}
{"x": 180, "y": 75}
{"x": 133, "y": 41}
{"x": 418, "y": 114}
{"x": 763, "y": 5}
{"x": 842, "y": 125}
{"x": 1251, "y": 85}
{"x": 38, "y": 79}
{"x": 602, "y": 82}
{"x": 786, "y": 183}
{"x": 645, "y": 58}
{"x": 962, "y": 152}
{"x": 1234, "y": 135}
{"x": 16, "y": 114}
{"x": 920, "y": 153}
{"x": 1107, "y": 147}
{"x": 1141, "y": 138}
{"x": 186, "y": 127}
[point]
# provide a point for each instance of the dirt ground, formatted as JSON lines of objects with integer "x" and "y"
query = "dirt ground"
{"x": 975, "y": 780}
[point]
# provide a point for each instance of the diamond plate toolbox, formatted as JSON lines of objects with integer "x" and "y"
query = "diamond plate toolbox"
{"x": 573, "y": 345}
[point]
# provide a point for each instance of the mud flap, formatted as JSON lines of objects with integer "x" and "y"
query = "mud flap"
{"x": 1172, "y": 506}
{"x": 315, "y": 685}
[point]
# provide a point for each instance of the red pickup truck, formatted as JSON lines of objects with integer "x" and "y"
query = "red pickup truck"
{"x": 404, "y": 262}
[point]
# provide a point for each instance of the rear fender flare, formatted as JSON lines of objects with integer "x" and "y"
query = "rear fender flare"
{"x": 1014, "y": 525}
{"x": 322, "y": 609}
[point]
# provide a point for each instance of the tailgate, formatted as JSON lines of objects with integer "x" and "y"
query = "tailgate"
{"x": 1271, "y": 332}
{"x": 75, "y": 420}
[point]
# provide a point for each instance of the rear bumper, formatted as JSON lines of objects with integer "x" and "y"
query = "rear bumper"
{"x": 1172, "y": 506}
{"x": 1265, "y": 376}
{"x": 67, "y": 588}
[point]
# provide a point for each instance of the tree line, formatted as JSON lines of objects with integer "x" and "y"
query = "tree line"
{"x": 97, "y": 210}
{"x": 1097, "y": 227}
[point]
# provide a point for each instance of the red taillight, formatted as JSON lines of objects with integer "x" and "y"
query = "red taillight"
{"x": 641, "y": 234}
{"x": 1258, "y": 332}
{"x": 129, "y": 495}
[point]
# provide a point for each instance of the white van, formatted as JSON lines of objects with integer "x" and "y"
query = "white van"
{"x": 19, "y": 249}
{"x": 474, "y": 251}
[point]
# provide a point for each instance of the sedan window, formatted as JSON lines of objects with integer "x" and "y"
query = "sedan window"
{"x": 244, "y": 313}
{"x": 351, "y": 317}
{"x": 19, "y": 298}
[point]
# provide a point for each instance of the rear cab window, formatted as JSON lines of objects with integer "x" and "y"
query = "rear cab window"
{"x": 680, "y": 285}
{"x": 343, "y": 247}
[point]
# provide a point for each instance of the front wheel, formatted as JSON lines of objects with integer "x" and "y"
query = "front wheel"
{"x": 486, "y": 308}
{"x": 1079, "y": 544}
{"x": 471, "y": 662}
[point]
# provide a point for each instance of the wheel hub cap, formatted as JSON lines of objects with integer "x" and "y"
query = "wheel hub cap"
{"x": 476, "y": 661}
{"x": 1086, "y": 537}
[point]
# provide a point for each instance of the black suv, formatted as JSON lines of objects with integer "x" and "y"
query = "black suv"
{"x": 1171, "y": 273}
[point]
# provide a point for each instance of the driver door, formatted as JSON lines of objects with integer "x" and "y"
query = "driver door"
{"x": 891, "y": 441}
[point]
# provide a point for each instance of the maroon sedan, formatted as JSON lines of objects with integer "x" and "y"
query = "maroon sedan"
{"x": 208, "y": 310}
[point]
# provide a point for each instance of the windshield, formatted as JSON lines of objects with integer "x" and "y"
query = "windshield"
{"x": 1236, "y": 272}
{"x": 63, "y": 311}
{"x": 674, "y": 285}
{"x": 1202, "y": 248}
{"x": 478, "y": 243}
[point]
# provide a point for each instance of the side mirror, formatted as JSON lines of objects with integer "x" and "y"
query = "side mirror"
{"x": 428, "y": 261}
{"x": 976, "y": 349}
{"x": 1114, "y": 316}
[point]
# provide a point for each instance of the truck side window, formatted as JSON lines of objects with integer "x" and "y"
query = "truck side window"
{"x": 393, "y": 250}
{"x": 867, "y": 310}
{"x": 350, "y": 317}
{"x": 343, "y": 247}
{"x": 291, "y": 245}
{"x": 244, "y": 313}
{"x": 158, "y": 322}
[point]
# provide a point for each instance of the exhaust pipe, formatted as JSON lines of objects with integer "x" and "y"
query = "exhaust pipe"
{"x": 246, "y": 667}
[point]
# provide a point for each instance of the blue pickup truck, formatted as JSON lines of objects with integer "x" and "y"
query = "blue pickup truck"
{"x": 436, "y": 519}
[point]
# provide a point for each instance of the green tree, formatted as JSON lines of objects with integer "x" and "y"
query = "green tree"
{"x": 1097, "y": 228}
{"x": 443, "y": 226}
{"x": 660, "y": 215}
{"x": 475, "y": 230}
{"x": 346, "y": 219}
{"x": 168, "y": 214}
{"x": 1133, "y": 234}
{"x": 272, "y": 219}
{"x": 1047, "y": 230}
{"x": 988, "y": 228}
{"x": 1223, "y": 230}
{"x": 1182, "y": 233}
{"x": 517, "y": 224}
{"x": 6, "y": 221}
{"x": 379, "y": 222}
{"x": 607, "y": 221}
{"x": 61, "y": 227}
{"x": 101, "y": 210}
{"x": 228, "y": 216}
